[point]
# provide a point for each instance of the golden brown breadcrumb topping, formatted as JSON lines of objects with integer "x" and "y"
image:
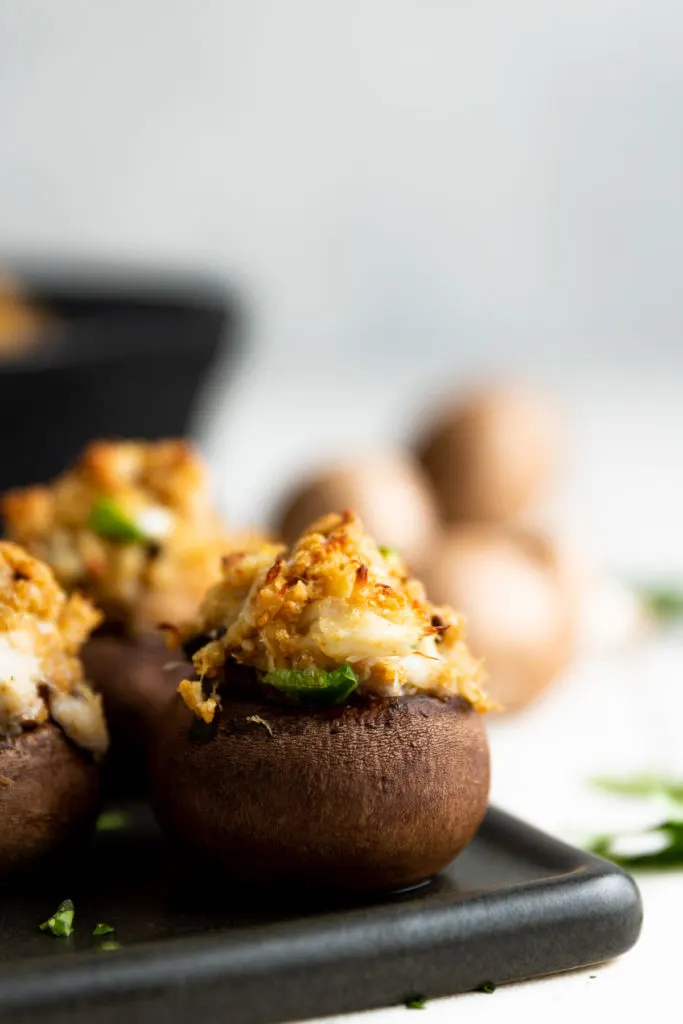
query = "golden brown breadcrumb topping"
{"x": 160, "y": 488}
{"x": 334, "y": 598}
{"x": 41, "y": 634}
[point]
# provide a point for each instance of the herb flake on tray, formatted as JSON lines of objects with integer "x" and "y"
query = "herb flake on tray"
{"x": 61, "y": 923}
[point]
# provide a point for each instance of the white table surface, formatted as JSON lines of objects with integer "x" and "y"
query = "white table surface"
{"x": 617, "y": 708}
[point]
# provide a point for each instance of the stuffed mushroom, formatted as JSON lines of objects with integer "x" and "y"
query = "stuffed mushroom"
{"x": 52, "y": 729}
{"x": 23, "y": 323}
{"x": 133, "y": 526}
{"x": 332, "y": 733}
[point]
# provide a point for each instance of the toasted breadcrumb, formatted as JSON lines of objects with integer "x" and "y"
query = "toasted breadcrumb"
{"x": 191, "y": 692}
{"x": 257, "y": 720}
{"x": 41, "y": 634}
{"x": 334, "y": 599}
{"x": 163, "y": 487}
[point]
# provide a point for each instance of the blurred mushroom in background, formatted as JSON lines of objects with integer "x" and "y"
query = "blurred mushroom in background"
{"x": 390, "y": 493}
{"x": 492, "y": 454}
{"x": 472, "y": 518}
{"x": 522, "y": 614}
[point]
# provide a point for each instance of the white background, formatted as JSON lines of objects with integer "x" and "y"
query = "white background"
{"x": 498, "y": 180}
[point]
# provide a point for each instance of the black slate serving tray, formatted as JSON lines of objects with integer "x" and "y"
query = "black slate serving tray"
{"x": 516, "y": 904}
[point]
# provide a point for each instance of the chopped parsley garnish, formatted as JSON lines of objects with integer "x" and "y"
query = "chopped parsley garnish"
{"x": 109, "y": 945}
{"x": 641, "y": 785}
{"x": 61, "y": 922}
{"x": 314, "y": 685}
{"x": 107, "y": 519}
{"x": 488, "y": 987}
{"x": 103, "y": 929}
{"x": 658, "y": 847}
{"x": 111, "y": 821}
{"x": 416, "y": 1003}
{"x": 664, "y": 603}
{"x": 386, "y": 551}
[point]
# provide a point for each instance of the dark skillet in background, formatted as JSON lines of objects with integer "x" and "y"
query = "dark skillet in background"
{"x": 124, "y": 355}
{"x": 121, "y": 354}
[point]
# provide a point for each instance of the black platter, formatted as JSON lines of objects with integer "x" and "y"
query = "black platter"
{"x": 516, "y": 904}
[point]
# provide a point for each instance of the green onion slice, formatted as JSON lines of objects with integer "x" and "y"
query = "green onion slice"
{"x": 107, "y": 519}
{"x": 314, "y": 686}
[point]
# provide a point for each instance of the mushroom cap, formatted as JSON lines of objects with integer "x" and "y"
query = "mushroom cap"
{"x": 49, "y": 796}
{"x": 379, "y": 794}
{"x": 137, "y": 677}
{"x": 492, "y": 455}
{"x": 389, "y": 492}
{"x": 510, "y": 585}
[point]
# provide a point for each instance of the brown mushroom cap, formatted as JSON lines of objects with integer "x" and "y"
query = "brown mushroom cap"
{"x": 375, "y": 795}
{"x": 491, "y": 456}
{"x": 49, "y": 796}
{"x": 389, "y": 492}
{"x": 509, "y": 584}
{"x": 137, "y": 677}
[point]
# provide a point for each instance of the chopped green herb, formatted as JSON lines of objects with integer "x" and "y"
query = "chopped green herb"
{"x": 61, "y": 922}
{"x": 416, "y": 1003}
{"x": 641, "y": 785}
{"x": 111, "y": 821}
{"x": 109, "y": 520}
{"x": 103, "y": 929}
{"x": 488, "y": 987}
{"x": 657, "y": 847}
{"x": 386, "y": 551}
{"x": 109, "y": 945}
{"x": 663, "y": 603}
{"x": 315, "y": 685}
